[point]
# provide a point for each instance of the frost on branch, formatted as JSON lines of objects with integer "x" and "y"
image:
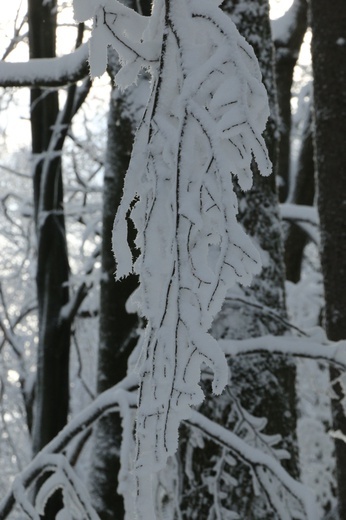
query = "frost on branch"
{"x": 133, "y": 36}
{"x": 203, "y": 124}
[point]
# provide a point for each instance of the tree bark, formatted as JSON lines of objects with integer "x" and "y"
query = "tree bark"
{"x": 329, "y": 70}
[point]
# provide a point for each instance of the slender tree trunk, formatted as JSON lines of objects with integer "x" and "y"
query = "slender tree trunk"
{"x": 329, "y": 69}
{"x": 51, "y": 402}
{"x": 264, "y": 387}
{"x": 52, "y": 380}
{"x": 117, "y": 329}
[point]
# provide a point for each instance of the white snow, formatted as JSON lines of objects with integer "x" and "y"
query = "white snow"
{"x": 43, "y": 69}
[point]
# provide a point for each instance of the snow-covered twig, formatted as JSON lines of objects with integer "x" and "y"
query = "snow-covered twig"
{"x": 133, "y": 36}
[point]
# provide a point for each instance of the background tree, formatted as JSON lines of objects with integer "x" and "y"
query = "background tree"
{"x": 288, "y": 34}
{"x": 117, "y": 328}
{"x": 49, "y": 128}
{"x": 329, "y": 70}
{"x": 52, "y": 384}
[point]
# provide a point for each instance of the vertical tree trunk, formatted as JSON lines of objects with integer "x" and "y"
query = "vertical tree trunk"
{"x": 263, "y": 386}
{"x": 117, "y": 329}
{"x": 329, "y": 69}
{"x": 52, "y": 380}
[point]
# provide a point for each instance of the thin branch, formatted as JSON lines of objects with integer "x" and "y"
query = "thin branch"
{"x": 267, "y": 310}
{"x": 318, "y": 347}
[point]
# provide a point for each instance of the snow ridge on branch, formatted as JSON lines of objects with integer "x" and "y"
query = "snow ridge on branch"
{"x": 202, "y": 125}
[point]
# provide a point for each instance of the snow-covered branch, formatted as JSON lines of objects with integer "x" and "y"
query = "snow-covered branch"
{"x": 62, "y": 476}
{"x": 134, "y": 37}
{"x": 118, "y": 397}
{"x": 261, "y": 463}
{"x": 46, "y": 72}
{"x": 314, "y": 346}
{"x": 203, "y": 123}
{"x": 305, "y": 217}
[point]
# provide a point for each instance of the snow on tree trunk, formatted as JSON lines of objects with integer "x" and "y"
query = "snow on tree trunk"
{"x": 329, "y": 70}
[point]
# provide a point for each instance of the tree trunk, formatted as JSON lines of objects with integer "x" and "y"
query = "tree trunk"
{"x": 329, "y": 69}
{"x": 117, "y": 329}
{"x": 262, "y": 386}
{"x": 52, "y": 380}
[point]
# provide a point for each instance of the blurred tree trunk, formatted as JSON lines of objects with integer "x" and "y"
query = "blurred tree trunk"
{"x": 288, "y": 38}
{"x": 329, "y": 70}
{"x": 304, "y": 193}
{"x": 52, "y": 386}
{"x": 263, "y": 386}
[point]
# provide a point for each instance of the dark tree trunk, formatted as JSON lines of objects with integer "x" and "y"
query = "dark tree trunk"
{"x": 52, "y": 380}
{"x": 117, "y": 329}
{"x": 52, "y": 396}
{"x": 329, "y": 69}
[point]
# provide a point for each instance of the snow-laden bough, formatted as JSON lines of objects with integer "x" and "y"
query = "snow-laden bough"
{"x": 202, "y": 127}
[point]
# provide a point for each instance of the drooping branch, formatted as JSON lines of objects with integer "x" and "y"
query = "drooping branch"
{"x": 62, "y": 476}
{"x": 115, "y": 398}
{"x": 203, "y": 123}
